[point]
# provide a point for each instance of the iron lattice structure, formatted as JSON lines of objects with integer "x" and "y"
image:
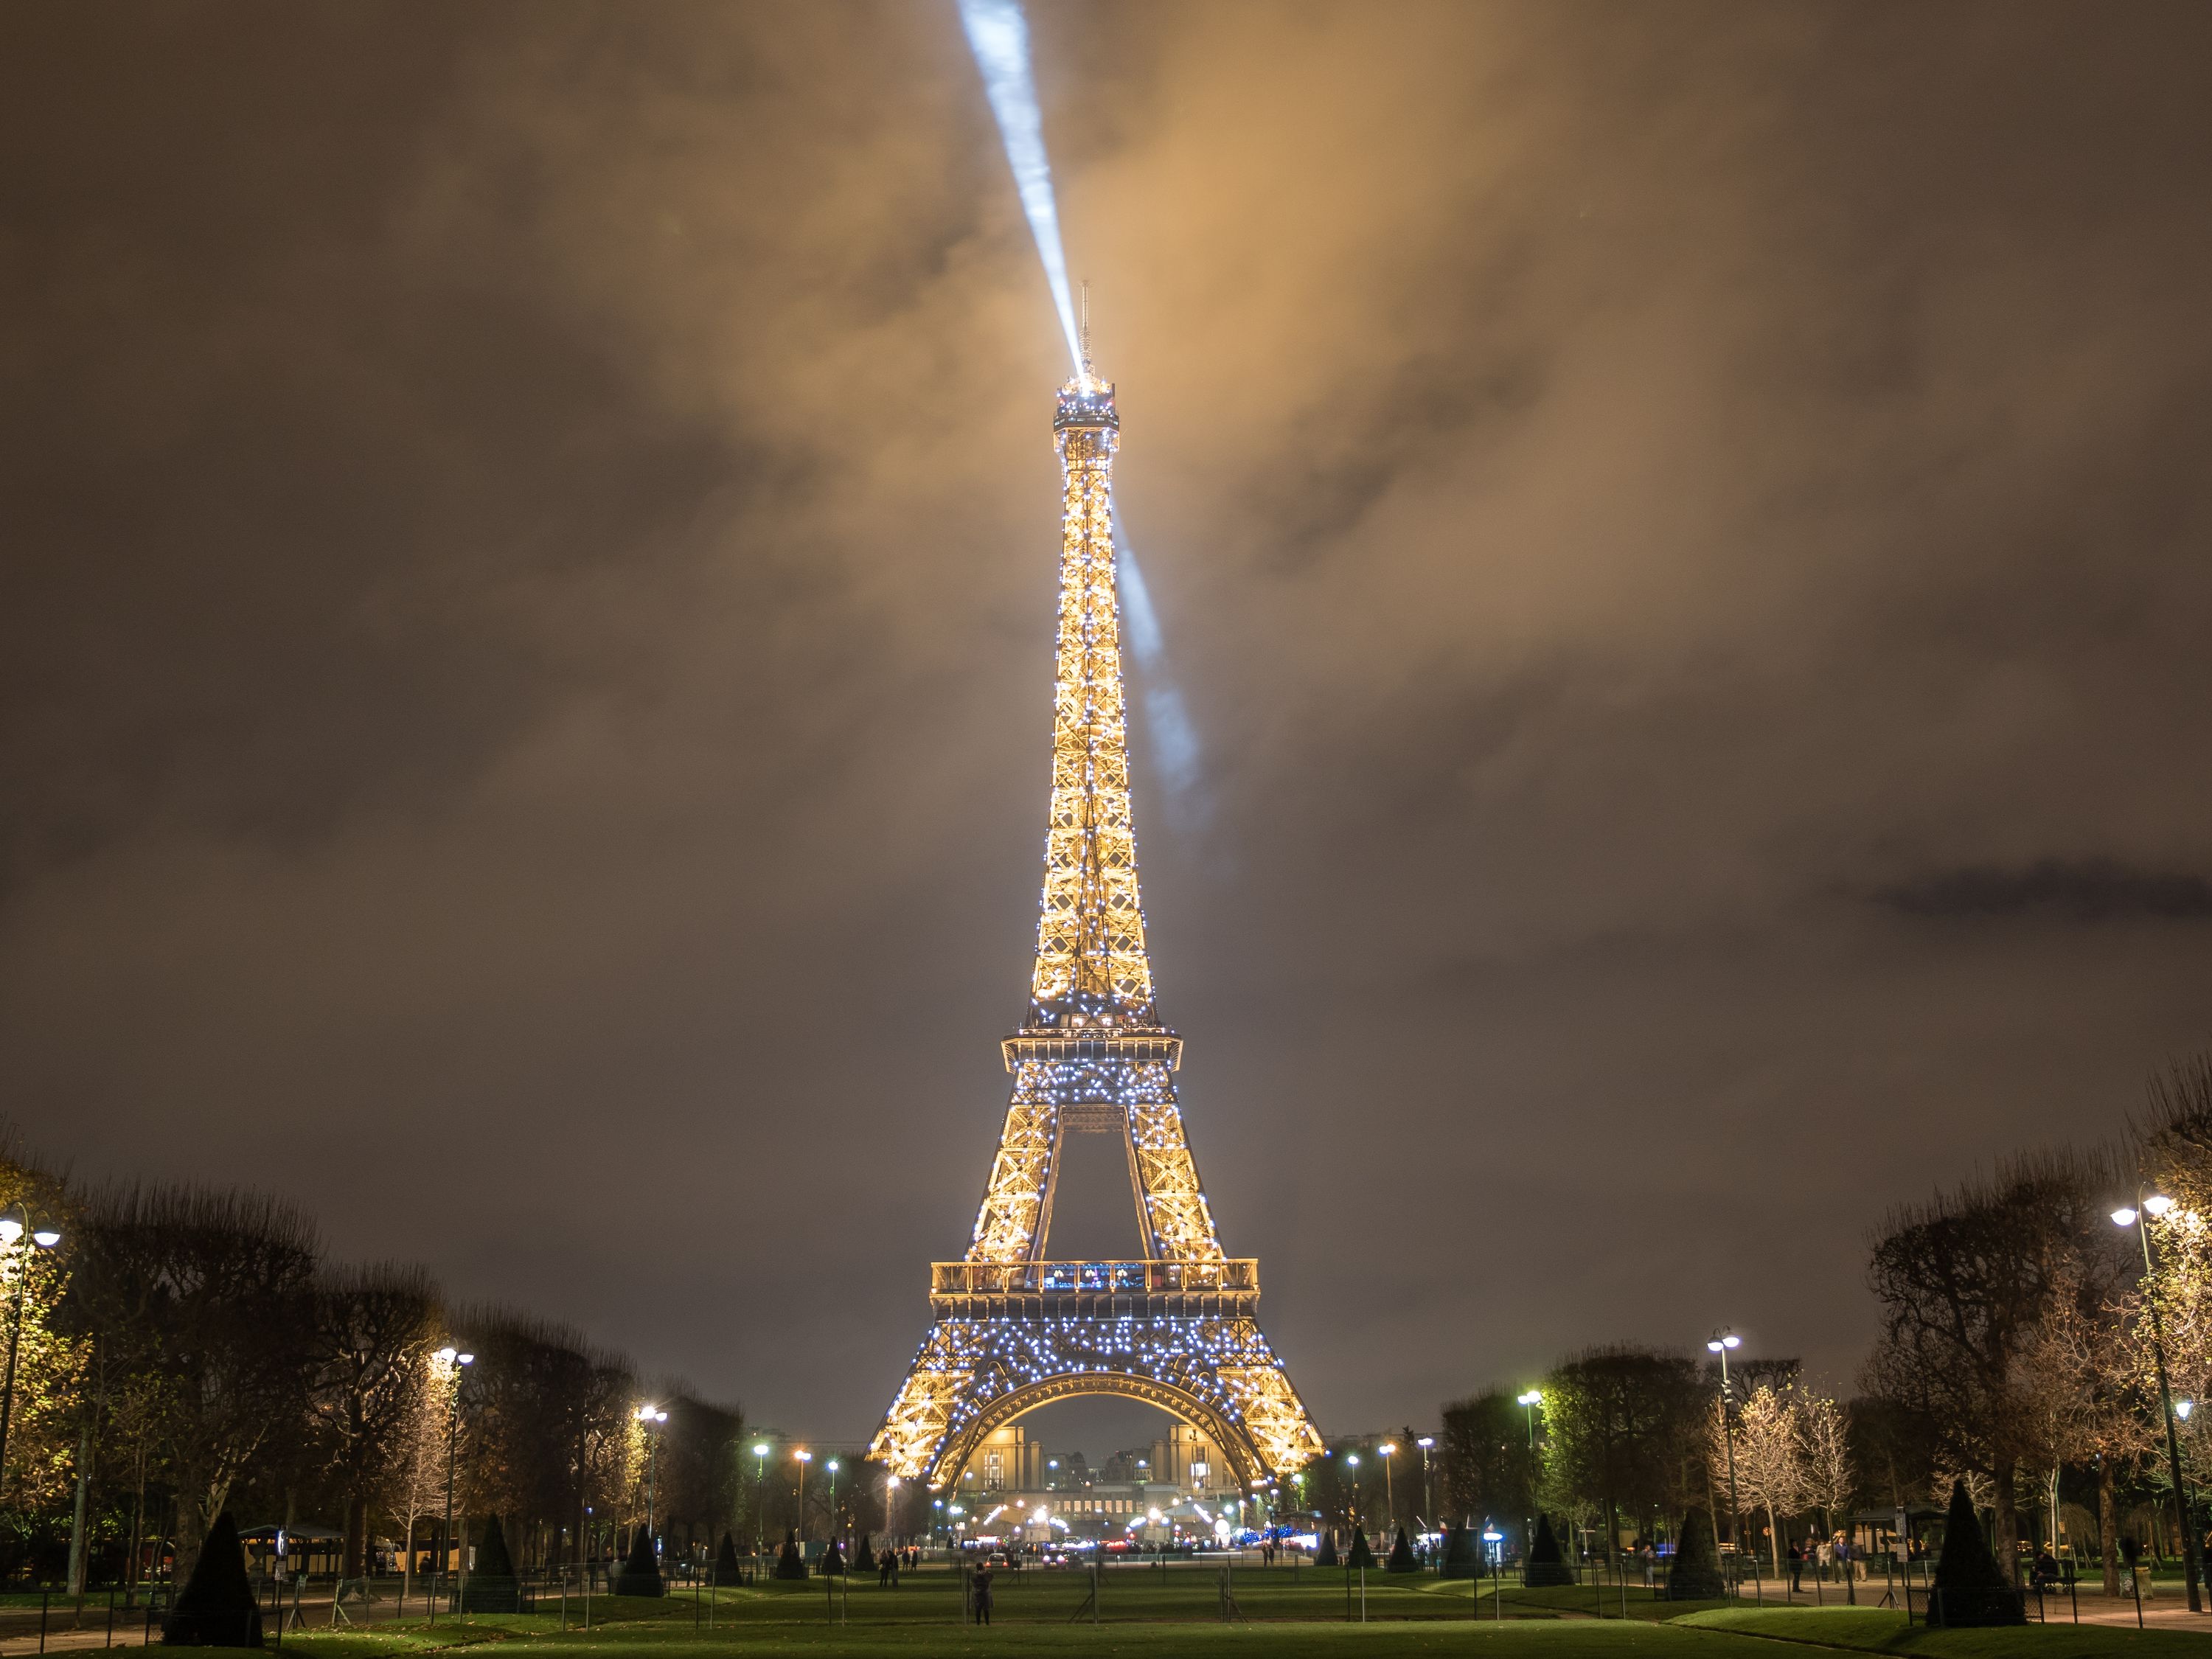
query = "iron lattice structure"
{"x": 1178, "y": 1329}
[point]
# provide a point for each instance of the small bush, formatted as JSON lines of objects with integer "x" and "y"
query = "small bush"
{"x": 1694, "y": 1575}
{"x": 1546, "y": 1564}
{"x": 1969, "y": 1587}
{"x": 215, "y": 1608}
{"x": 640, "y": 1570}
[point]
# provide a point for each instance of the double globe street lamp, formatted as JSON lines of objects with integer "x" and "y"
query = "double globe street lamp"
{"x": 2156, "y": 1207}
{"x": 453, "y": 1360}
{"x": 652, "y": 1417}
{"x": 1722, "y": 1342}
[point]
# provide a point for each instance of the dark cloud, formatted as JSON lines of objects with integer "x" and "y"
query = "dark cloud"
{"x": 2090, "y": 890}
{"x": 527, "y": 612}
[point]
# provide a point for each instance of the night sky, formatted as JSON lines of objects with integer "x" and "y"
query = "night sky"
{"x": 1684, "y": 533}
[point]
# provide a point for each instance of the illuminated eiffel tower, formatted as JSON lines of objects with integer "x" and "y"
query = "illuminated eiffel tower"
{"x": 1012, "y": 1330}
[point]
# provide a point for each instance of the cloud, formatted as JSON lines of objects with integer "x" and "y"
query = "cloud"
{"x": 527, "y": 622}
{"x": 2087, "y": 889}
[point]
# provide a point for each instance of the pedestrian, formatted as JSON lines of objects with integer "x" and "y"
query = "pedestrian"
{"x": 887, "y": 1569}
{"x": 1796, "y": 1565}
{"x": 1651, "y": 1555}
{"x": 983, "y": 1595}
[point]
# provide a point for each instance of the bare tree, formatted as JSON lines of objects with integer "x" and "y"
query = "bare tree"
{"x": 418, "y": 1458}
{"x": 369, "y": 1359}
{"x": 2080, "y": 1389}
{"x": 212, "y": 1291}
{"x": 1962, "y": 1281}
{"x": 1830, "y": 1481}
{"x": 1770, "y": 1458}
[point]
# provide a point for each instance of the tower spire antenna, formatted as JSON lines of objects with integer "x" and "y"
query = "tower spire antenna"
{"x": 1086, "y": 329}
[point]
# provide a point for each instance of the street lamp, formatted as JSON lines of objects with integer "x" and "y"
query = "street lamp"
{"x": 1722, "y": 1340}
{"x": 1428, "y": 1486}
{"x": 760, "y": 1475}
{"x": 14, "y": 1222}
{"x": 1388, "y": 1448}
{"x": 804, "y": 1457}
{"x": 1528, "y": 1403}
{"x": 652, "y": 1417}
{"x": 891, "y": 1487}
{"x": 453, "y": 1360}
{"x": 833, "y": 1498}
{"x": 2155, "y": 1205}
{"x": 1352, "y": 1462}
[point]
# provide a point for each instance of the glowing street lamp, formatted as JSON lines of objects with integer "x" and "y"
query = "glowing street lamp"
{"x": 453, "y": 1360}
{"x": 14, "y": 1222}
{"x": 1388, "y": 1448}
{"x": 2156, "y": 1207}
{"x": 804, "y": 1457}
{"x": 832, "y": 1467}
{"x": 760, "y": 1495}
{"x": 652, "y": 1417}
{"x": 1723, "y": 1340}
{"x": 1528, "y": 1403}
{"x": 1428, "y": 1486}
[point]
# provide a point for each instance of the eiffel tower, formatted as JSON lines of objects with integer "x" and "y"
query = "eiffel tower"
{"x": 1012, "y": 1330}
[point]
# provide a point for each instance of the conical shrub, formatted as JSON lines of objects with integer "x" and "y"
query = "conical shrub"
{"x": 1694, "y": 1575}
{"x": 1401, "y": 1554}
{"x": 215, "y": 1608}
{"x": 833, "y": 1559}
{"x": 1969, "y": 1587}
{"x": 727, "y": 1569}
{"x": 1546, "y": 1564}
{"x": 640, "y": 1570}
{"x": 789, "y": 1562}
{"x": 1361, "y": 1556}
{"x": 1326, "y": 1556}
{"x": 1461, "y": 1558}
{"x": 490, "y": 1585}
{"x": 864, "y": 1555}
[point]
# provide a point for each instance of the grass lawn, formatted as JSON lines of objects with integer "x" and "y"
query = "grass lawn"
{"x": 1146, "y": 1611}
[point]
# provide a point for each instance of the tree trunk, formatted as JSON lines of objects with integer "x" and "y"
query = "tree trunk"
{"x": 77, "y": 1518}
{"x": 2004, "y": 1524}
{"x": 1774, "y": 1541}
{"x": 137, "y": 1524}
{"x": 194, "y": 1516}
{"x": 2108, "y": 1525}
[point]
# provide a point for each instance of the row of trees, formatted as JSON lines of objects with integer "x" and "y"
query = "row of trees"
{"x": 185, "y": 1351}
{"x": 2022, "y": 1331}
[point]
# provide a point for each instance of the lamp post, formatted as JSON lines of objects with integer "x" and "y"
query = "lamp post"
{"x": 1722, "y": 1340}
{"x": 1528, "y": 1403}
{"x": 2182, "y": 1408}
{"x": 454, "y": 1360}
{"x": 653, "y": 1417}
{"x": 2156, "y": 1204}
{"x": 804, "y": 1457}
{"x": 833, "y": 1497}
{"x": 890, "y": 1490}
{"x": 1428, "y": 1485}
{"x": 1351, "y": 1463}
{"x": 1389, "y": 1448}
{"x": 760, "y": 1512}
{"x": 14, "y": 1222}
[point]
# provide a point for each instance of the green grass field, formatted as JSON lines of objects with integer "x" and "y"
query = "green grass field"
{"x": 1143, "y": 1610}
